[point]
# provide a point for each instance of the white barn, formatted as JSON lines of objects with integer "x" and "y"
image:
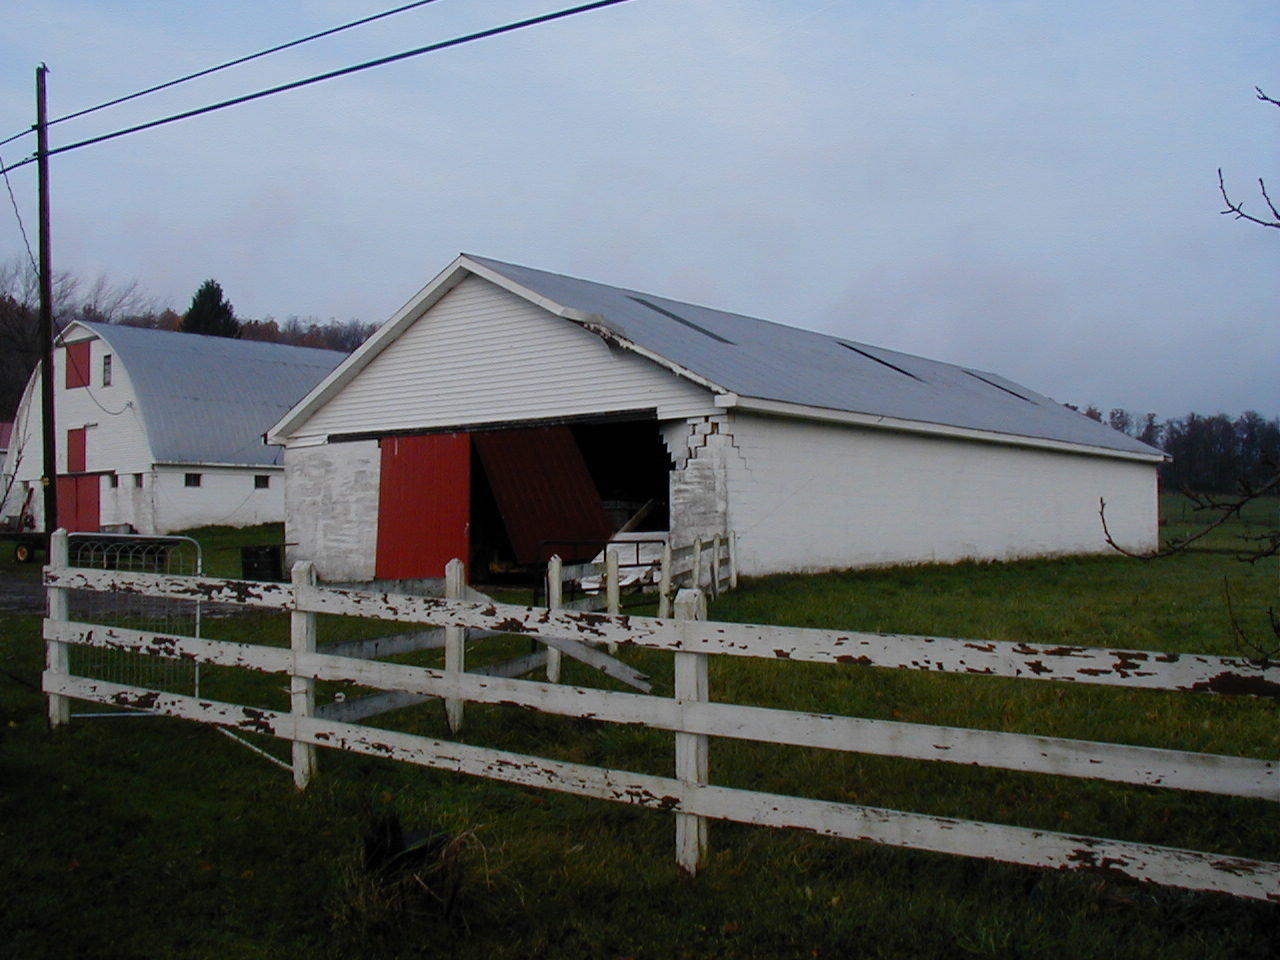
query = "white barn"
{"x": 159, "y": 431}
{"x": 504, "y": 413}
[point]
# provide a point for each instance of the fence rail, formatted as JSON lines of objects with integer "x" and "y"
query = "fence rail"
{"x": 711, "y": 564}
{"x": 692, "y": 715}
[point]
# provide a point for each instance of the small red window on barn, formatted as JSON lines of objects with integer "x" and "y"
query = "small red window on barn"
{"x": 78, "y": 364}
{"x": 75, "y": 450}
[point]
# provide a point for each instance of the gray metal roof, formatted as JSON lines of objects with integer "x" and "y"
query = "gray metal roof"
{"x": 769, "y": 361}
{"x": 210, "y": 399}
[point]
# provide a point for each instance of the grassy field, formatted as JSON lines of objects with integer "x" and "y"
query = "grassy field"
{"x": 146, "y": 837}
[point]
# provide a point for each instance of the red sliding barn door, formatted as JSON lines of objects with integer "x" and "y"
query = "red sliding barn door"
{"x": 78, "y": 494}
{"x": 424, "y": 504}
{"x": 78, "y": 508}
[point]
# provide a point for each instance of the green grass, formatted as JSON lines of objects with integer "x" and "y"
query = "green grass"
{"x": 162, "y": 838}
{"x": 221, "y": 545}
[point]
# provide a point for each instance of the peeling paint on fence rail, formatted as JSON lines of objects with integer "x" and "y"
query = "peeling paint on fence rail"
{"x": 1143, "y": 766}
{"x": 692, "y": 714}
{"x": 1091, "y": 665}
{"x": 1188, "y": 869}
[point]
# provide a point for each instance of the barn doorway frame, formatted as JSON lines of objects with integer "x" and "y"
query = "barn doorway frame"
{"x": 438, "y": 500}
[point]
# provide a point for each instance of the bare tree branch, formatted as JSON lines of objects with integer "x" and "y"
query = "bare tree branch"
{"x": 1263, "y": 655}
{"x": 1237, "y": 209}
{"x": 1226, "y": 509}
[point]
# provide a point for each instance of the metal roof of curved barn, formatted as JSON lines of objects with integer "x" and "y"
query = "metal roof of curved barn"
{"x": 771, "y": 361}
{"x": 209, "y": 400}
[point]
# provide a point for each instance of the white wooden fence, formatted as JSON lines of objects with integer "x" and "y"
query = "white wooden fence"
{"x": 711, "y": 564}
{"x": 690, "y": 713}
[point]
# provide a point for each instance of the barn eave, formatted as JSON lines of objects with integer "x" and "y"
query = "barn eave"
{"x": 777, "y": 408}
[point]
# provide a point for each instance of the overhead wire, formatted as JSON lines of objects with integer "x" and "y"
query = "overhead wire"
{"x": 332, "y": 74}
{"x": 180, "y": 80}
{"x": 22, "y": 227}
{"x": 223, "y": 66}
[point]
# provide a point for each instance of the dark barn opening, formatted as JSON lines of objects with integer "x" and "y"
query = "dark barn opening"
{"x": 563, "y": 490}
{"x": 631, "y": 469}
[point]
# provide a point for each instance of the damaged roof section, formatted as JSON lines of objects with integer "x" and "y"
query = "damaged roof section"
{"x": 758, "y": 358}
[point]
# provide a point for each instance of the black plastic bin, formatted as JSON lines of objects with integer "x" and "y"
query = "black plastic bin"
{"x": 262, "y": 563}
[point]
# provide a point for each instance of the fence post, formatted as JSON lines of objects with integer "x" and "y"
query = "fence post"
{"x": 733, "y": 560}
{"x": 302, "y": 689}
{"x": 696, "y": 579}
{"x": 455, "y": 640}
{"x": 692, "y": 835}
{"x": 613, "y": 595}
{"x": 57, "y": 655}
{"x": 715, "y": 567}
{"x": 555, "y": 599}
{"x": 664, "y": 581}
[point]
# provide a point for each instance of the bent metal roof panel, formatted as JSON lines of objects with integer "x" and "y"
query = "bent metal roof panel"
{"x": 762, "y": 360}
{"x": 210, "y": 399}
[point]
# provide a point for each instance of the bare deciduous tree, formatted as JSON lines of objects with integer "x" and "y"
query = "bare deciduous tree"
{"x": 73, "y": 299}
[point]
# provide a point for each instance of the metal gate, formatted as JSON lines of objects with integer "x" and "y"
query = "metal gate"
{"x": 175, "y": 555}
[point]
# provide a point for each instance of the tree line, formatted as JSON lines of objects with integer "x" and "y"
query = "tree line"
{"x": 1210, "y": 453}
{"x": 101, "y": 301}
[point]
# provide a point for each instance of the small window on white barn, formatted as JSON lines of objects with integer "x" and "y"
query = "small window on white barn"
{"x": 137, "y": 480}
{"x": 114, "y": 480}
{"x": 261, "y": 481}
{"x": 106, "y": 370}
{"x": 193, "y": 480}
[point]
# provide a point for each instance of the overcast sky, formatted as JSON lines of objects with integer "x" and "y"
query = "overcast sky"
{"x": 1023, "y": 187}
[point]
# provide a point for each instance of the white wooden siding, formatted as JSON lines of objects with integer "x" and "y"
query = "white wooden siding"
{"x": 484, "y": 355}
{"x": 811, "y": 496}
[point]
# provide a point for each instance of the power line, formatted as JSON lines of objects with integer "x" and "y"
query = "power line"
{"x": 22, "y": 227}
{"x": 381, "y": 61}
{"x": 230, "y": 63}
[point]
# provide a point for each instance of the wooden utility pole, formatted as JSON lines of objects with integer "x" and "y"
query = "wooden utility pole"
{"x": 49, "y": 433}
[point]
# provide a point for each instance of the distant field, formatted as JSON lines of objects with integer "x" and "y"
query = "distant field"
{"x": 148, "y": 837}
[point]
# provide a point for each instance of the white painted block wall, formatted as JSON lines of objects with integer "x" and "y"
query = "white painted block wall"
{"x": 331, "y": 508}
{"x": 811, "y": 496}
{"x": 225, "y": 497}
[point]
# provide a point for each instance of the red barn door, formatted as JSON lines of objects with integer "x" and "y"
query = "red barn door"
{"x": 78, "y": 494}
{"x": 424, "y": 505}
{"x": 78, "y": 505}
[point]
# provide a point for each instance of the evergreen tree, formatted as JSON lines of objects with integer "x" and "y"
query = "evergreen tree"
{"x": 210, "y": 313}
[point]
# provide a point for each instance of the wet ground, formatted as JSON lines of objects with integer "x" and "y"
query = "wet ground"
{"x": 20, "y": 594}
